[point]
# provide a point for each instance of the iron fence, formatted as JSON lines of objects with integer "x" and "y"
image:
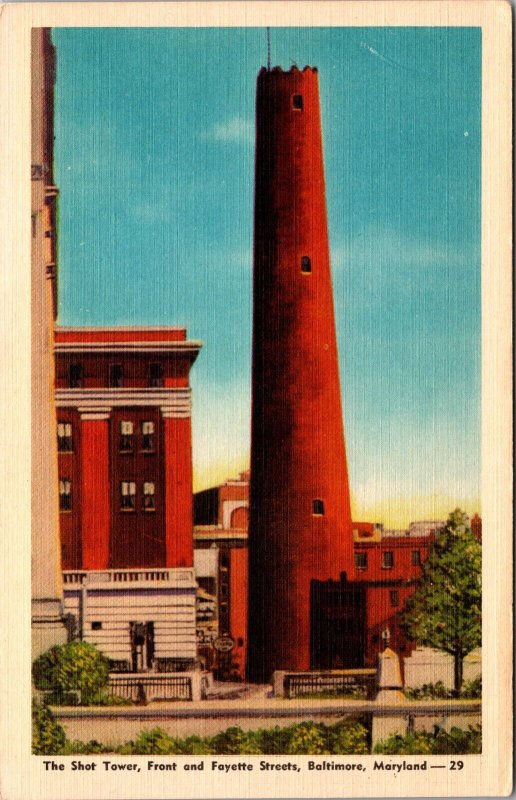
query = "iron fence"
{"x": 141, "y": 689}
{"x": 359, "y": 684}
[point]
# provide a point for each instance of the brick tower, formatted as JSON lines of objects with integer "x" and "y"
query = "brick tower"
{"x": 300, "y": 519}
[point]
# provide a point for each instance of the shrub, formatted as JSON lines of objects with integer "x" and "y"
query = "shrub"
{"x": 411, "y": 744}
{"x": 472, "y": 688}
{"x": 307, "y": 739}
{"x": 235, "y": 741}
{"x": 48, "y": 737}
{"x": 195, "y": 746}
{"x": 459, "y": 741}
{"x": 73, "y": 667}
{"x": 456, "y": 741}
{"x": 275, "y": 741}
{"x": 429, "y": 691}
{"x": 76, "y": 747}
{"x": 155, "y": 742}
{"x": 348, "y": 738}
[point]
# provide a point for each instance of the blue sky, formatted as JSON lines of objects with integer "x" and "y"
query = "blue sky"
{"x": 154, "y": 161}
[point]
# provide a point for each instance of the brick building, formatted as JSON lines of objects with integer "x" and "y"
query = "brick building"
{"x": 221, "y": 564}
{"x": 125, "y": 491}
{"x": 358, "y": 613}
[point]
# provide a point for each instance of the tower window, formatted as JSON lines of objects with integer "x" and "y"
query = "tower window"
{"x": 306, "y": 265}
{"x": 64, "y": 437}
{"x": 155, "y": 375}
{"x": 318, "y": 508}
{"x": 96, "y": 626}
{"x": 148, "y": 436}
{"x": 387, "y": 559}
{"x": 116, "y": 375}
{"x": 297, "y": 102}
{"x": 416, "y": 558}
{"x": 394, "y": 598}
{"x": 65, "y": 495}
{"x": 75, "y": 376}
{"x": 361, "y": 560}
{"x": 126, "y": 436}
{"x": 127, "y": 495}
{"x": 148, "y": 496}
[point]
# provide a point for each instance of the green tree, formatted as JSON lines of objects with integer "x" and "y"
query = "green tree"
{"x": 445, "y": 610}
{"x": 76, "y": 666}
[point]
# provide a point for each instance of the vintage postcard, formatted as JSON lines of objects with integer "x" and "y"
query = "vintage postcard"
{"x": 256, "y": 316}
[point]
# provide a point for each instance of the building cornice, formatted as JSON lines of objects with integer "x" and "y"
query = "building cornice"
{"x": 189, "y": 347}
{"x": 172, "y": 401}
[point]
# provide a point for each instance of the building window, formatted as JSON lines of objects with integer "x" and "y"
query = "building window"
{"x": 387, "y": 559}
{"x": 96, "y": 626}
{"x": 148, "y": 496}
{"x": 297, "y": 102}
{"x": 75, "y": 376}
{"x": 318, "y": 508}
{"x": 155, "y": 375}
{"x": 116, "y": 376}
{"x": 148, "y": 436}
{"x": 394, "y": 598}
{"x": 306, "y": 264}
{"x": 64, "y": 437}
{"x": 65, "y": 495}
{"x": 126, "y": 436}
{"x": 127, "y": 495}
{"x": 361, "y": 560}
{"x": 416, "y": 558}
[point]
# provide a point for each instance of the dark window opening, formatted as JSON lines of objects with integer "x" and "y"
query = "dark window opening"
{"x": 388, "y": 559}
{"x": 96, "y": 626}
{"x": 394, "y": 598}
{"x": 64, "y": 437}
{"x": 75, "y": 376}
{"x": 306, "y": 265}
{"x": 65, "y": 495}
{"x": 155, "y": 375}
{"x": 149, "y": 503}
{"x": 361, "y": 560}
{"x": 127, "y": 495}
{"x": 115, "y": 375}
{"x": 416, "y": 558}
{"x": 297, "y": 102}
{"x": 125, "y": 444}
{"x": 148, "y": 436}
{"x": 318, "y": 508}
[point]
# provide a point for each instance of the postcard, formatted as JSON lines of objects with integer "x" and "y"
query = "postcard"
{"x": 257, "y": 366}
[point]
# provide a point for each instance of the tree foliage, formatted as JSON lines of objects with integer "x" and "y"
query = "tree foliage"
{"x": 445, "y": 610}
{"x": 76, "y": 666}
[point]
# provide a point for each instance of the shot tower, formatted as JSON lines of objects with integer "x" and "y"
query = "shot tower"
{"x": 300, "y": 519}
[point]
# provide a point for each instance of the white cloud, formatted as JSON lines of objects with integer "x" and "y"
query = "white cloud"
{"x": 381, "y": 245}
{"x": 237, "y": 130}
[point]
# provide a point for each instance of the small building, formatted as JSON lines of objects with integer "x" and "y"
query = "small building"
{"x": 221, "y": 565}
{"x": 123, "y": 403}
